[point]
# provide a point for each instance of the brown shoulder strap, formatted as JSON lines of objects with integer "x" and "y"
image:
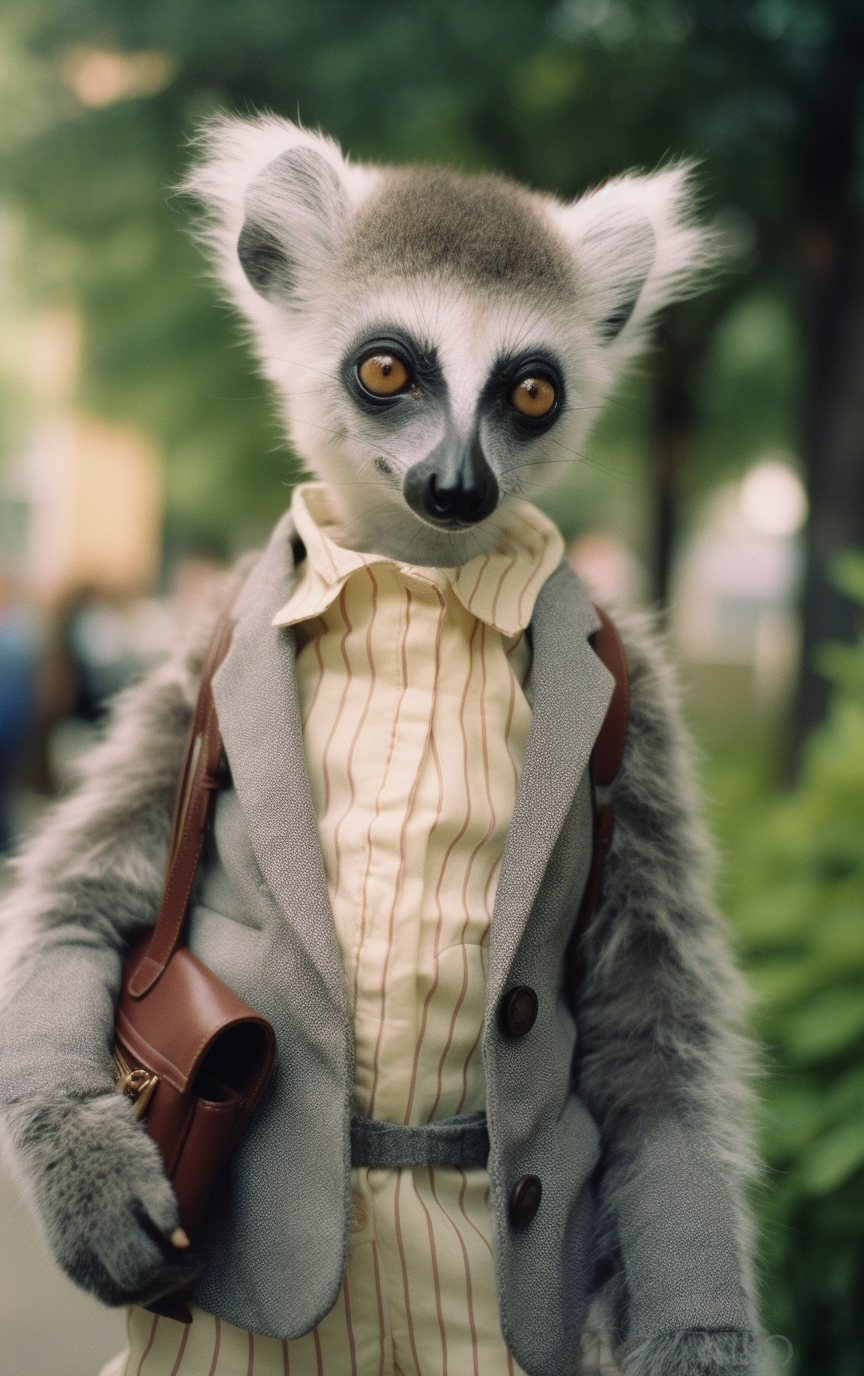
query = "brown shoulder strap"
{"x": 609, "y": 746}
{"x": 200, "y": 776}
{"x": 605, "y": 762}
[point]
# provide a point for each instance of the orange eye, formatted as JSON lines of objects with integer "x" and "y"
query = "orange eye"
{"x": 533, "y": 397}
{"x": 383, "y": 375}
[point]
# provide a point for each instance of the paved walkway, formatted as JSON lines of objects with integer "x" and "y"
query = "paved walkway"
{"x": 47, "y": 1327}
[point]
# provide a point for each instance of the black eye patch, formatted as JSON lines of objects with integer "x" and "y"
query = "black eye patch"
{"x": 425, "y": 380}
{"x": 526, "y": 391}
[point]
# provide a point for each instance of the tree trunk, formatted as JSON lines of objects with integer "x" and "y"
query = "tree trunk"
{"x": 672, "y": 444}
{"x": 832, "y": 261}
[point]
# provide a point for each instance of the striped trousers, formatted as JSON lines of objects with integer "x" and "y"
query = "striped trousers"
{"x": 418, "y": 1298}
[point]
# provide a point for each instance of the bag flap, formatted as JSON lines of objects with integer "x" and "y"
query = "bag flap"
{"x": 187, "y": 1014}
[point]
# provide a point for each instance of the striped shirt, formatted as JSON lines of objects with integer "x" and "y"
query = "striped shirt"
{"x": 413, "y": 686}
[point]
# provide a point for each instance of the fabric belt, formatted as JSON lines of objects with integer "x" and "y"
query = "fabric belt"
{"x": 460, "y": 1141}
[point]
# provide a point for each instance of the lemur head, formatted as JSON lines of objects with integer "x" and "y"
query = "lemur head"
{"x": 439, "y": 343}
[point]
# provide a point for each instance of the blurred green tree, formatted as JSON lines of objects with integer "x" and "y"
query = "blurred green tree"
{"x": 561, "y": 93}
{"x": 796, "y": 892}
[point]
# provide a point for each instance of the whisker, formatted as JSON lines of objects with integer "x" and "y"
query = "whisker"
{"x": 567, "y": 463}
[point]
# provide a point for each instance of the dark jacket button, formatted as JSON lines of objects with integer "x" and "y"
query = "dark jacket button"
{"x": 518, "y": 1010}
{"x": 525, "y": 1200}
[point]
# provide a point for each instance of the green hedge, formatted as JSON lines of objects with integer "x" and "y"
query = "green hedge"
{"x": 794, "y": 888}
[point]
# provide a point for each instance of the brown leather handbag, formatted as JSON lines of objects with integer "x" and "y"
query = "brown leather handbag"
{"x": 193, "y": 1057}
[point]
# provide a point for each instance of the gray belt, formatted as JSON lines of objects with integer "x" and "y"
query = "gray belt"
{"x": 460, "y": 1141}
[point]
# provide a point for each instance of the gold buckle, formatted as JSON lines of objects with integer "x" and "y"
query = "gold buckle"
{"x": 137, "y": 1084}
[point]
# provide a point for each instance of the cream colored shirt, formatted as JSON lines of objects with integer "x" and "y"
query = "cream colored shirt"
{"x": 413, "y": 690}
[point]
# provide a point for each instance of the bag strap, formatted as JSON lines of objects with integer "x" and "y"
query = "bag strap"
{"x": 609, "y": 745}
{"x": 605, "y": 763}
{"x": 202, "y": 773}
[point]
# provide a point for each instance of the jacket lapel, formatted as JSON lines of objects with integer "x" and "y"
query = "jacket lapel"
{"x": 572, "y": 690}
{"x": 255, "y": 691}
{"x": 256, "y": 699}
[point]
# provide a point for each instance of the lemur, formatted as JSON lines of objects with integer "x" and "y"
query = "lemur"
{"x": 408, "y": 708}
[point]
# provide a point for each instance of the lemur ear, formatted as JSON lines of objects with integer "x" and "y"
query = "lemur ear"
{"x": 296, "y": 208}
{"x": 277, "y": 199}
{"x": 636, "y": 249}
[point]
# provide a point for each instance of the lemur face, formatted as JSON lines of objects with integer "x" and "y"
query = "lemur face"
{"x": 441, "y": 344}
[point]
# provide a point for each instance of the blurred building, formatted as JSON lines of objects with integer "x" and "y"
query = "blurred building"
{"x": 734, "y": 620}
{"x": 83, "y": 510}
{"x": 81, "y": 504}
{"x": 80, "y": 550}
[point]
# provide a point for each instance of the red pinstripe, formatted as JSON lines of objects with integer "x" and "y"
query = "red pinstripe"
{"x": 183, "y": 1341}
{"x": 316, "y": 647}
{"x": 351, "y": 1347}
{"x": 216, "y": 1346}
{"x": 483, "y": 567}
{"x": 397, "y": 892}
{"x": 476, "y": 851}
{"x": 470, "y": 1223}
{"x": 452, "y": 846}
{"x": 430, "y": 993}
{"x": 377, "y": 813}
{"x": 469, "y": 1288}
{"x": 433, "y": 1253}
{"x": 380, "y": 1299}
{"x": 145, "y": 1354}
{"x": 404, "y": 1266}
{"x": 494, "y": 610}
{"x": 489, "y": 832}
{"x": 325, "y": 755}
{"x": 349, "y": 765}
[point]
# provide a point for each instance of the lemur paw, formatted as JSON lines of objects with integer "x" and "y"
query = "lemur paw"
{"x": 696, "y": 1352}
{"x": 106, "y": 1205}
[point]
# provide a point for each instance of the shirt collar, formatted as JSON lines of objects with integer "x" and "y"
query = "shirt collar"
{"x": 499, "y": 588}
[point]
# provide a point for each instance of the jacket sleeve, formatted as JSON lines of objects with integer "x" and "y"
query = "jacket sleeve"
{"x": 90, "y": 879}
{"x": 661, "y": 1064}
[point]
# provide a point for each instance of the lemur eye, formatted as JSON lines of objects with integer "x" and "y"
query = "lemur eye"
{"x": 533, "y": 397}
{"x": 383, "y": 375}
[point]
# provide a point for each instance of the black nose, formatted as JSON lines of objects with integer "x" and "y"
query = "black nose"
{"x": 452, "y": 490}
{"x": 463, "y": 499}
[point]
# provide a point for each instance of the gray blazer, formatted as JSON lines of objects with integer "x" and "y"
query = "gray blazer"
{"x": 626, "y": 1121}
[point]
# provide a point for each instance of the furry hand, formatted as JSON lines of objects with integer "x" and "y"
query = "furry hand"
{"x": 106, "y": 1205}
{"x": 696, "y": 1352}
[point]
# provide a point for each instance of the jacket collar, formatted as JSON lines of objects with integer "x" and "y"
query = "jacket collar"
{"x": 256, "y": 699}
{"x": 255, "y": 691}
{"x": 571, "y": 690}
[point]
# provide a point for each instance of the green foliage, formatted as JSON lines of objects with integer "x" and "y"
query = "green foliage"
{"x": 795, "y": 888}
{"x": 561, "y": 93}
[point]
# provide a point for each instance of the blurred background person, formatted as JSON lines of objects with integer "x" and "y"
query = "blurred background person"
{"x": 18, "y": 661}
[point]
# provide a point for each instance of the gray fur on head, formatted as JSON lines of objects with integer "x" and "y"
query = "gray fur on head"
{"x": 474, "y": 279}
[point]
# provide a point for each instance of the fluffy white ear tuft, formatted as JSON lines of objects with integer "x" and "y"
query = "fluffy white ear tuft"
{"x": 637, "y": 247}
{"x": 278, "y": 197}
